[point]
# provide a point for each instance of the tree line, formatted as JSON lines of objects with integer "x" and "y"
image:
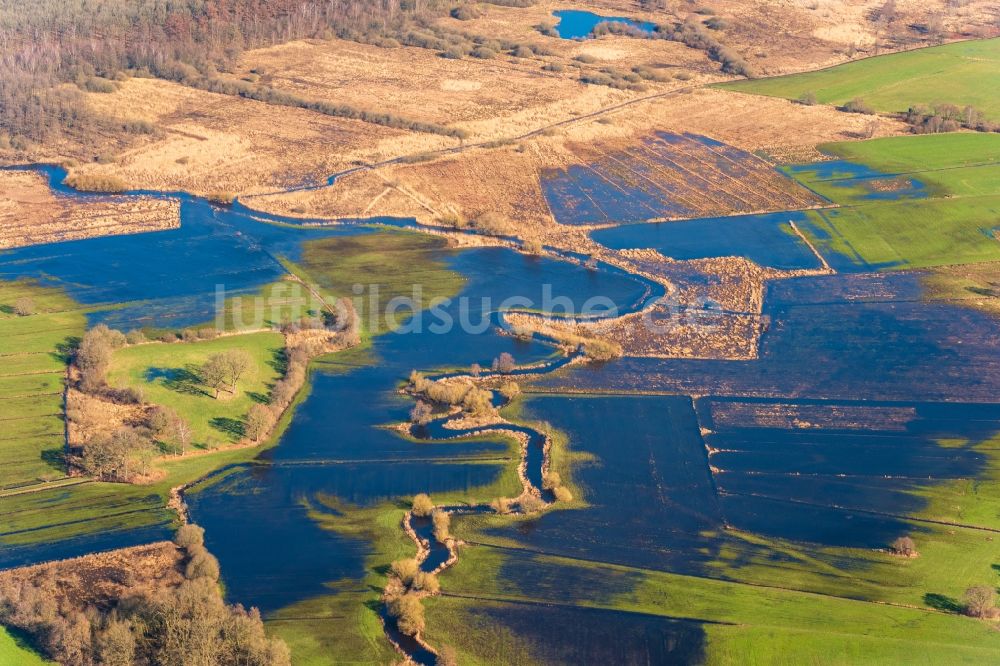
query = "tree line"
{"x": 88, "y": 44}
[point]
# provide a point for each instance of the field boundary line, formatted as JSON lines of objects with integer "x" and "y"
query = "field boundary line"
{"x": 798, "y": 232}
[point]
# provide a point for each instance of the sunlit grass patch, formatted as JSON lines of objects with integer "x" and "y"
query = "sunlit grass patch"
{"x": 963, "y": 73}
{"x": 33, "y": 356}
{"x": 168, "y": 375}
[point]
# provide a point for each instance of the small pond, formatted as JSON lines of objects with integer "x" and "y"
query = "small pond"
{"x": 577, "y": 24}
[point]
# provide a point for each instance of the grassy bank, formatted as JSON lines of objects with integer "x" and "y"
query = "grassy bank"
{"x": 963, "y": 73}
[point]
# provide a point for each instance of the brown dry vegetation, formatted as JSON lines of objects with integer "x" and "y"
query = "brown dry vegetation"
{"x": 209, "y": 142}
{"x": 31, "y": 214}
{"x": 505, "y": 179}
{"x": 219, "y": 143}
{"x": 782, "y": 36}
{"x": 101, "y": 579}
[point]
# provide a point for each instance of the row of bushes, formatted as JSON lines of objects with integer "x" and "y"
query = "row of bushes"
{"x": 931, "y": 119}
{"x": 621, "y": 79}
{"x": 691, "y": 33}
{"x": 449, "y": 43}
{"x": 923, "y": 118}
{"x": 190, "y": 76}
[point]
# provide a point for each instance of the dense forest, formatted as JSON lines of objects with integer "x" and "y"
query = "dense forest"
{"x": 88, "y": 43}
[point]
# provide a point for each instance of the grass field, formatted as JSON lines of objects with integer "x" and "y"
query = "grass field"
{"x": 394, "y": 262}
{"x": 748, "y": 623}
{"x": 32, "y": 371}
{"x": 961, "y": 73}
{"x": 954, "y": 224}
{"x": 167, "y": 375}
{"x": 14, "y": 651}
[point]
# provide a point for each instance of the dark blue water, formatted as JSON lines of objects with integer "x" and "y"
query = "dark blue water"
{"x": 550, "y": 634}
{"x": 870, "y": 337}
{"x": 273, "y": 553}
{"x": 339, "y": 424}
{"x": 164, "y": 278}
{"x": 577, "y": 24}
{"x": 766, "y": 239}
{"x": 257, "y": 516}
{"x": 649, "y": 488}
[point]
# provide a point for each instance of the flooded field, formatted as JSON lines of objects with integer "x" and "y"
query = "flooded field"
{"x": 868, "y": 409}
{"x": 867, "y": 336}
{"x": 669, "y": 176}
{"x": 767, "y": 239}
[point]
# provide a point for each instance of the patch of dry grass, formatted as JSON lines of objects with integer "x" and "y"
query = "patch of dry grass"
{"x": 31, "y": 214}
{"x": 505, "y": 179}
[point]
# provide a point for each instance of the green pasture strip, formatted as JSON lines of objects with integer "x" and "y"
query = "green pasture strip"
{"x": 31, "y": 459}
{"x": 41, "y": 384}
{"x": 34, "y": 363}
{"x": 33, "y": 352}
{"x": 962, "y": 73}
{"x": 910, "y": 234}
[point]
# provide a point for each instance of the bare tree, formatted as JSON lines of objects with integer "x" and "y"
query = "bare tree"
{"x": 980, "y": 601}
{"x": 259, "y": 422}
{"x": 904, "y": 546}
{"x": 504, "y": 363}
{"x": 24, "y": 306}
{"x": 421, "y": 413}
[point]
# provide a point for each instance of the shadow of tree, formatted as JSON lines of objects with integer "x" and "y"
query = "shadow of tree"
{"x": 54, "y": 458}
{"x": 182, "y": 380}
{"x": 65, "y": 349}
{"x": 279, "y": 361}
{"x": 227, "y": 425}
{"x": 942, "y": 603}
{"x": 259, "y": 398}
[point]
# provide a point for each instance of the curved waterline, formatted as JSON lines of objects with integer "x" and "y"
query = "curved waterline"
{"x": 535, "y": 446}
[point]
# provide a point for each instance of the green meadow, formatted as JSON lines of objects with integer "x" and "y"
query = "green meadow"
{"x": 962, "y": 73}
{"x": 167, "y": 374}
{"x": 32, "y": 375}
{"x": 955, "y": 223}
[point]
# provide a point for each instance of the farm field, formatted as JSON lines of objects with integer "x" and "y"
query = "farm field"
{"x": 32, "y": 375}
{"x": 963, "y": 73}
{"x": 907, "y": 202}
